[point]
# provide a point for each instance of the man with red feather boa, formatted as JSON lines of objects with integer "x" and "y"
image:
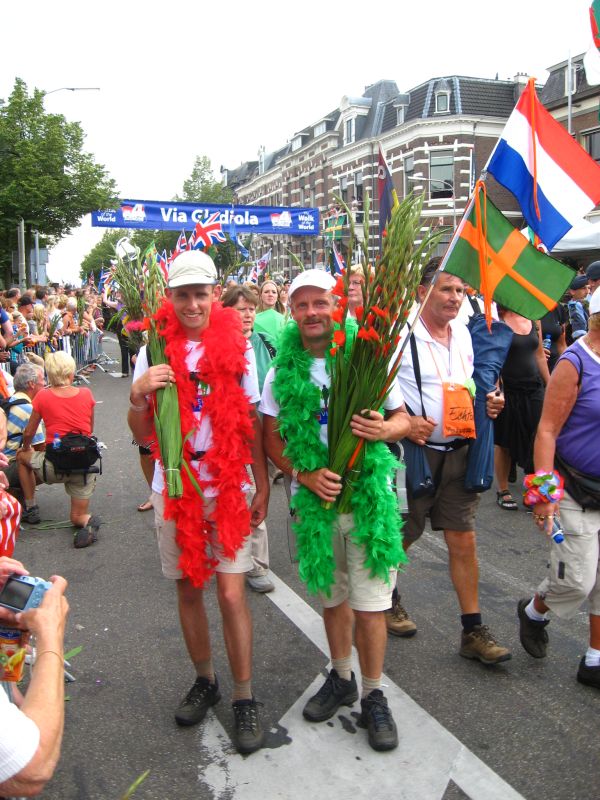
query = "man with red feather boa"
{"x": 217, "y": 388}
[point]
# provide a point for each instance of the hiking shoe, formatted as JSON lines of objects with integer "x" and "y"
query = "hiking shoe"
{"x": 334, "y": 693}
{"x": 377, "y": 718}
{"x": 398, "y": 622}
{"x": 480, "y": 644}
{"x": 31, "y": 515}
{"x": 197, "y": 701}
{"x": 87, "y": 535}
{"x": 532, "y": 634}
{"x": 590, "y": 676}
{"x": 249, "y": 735}
{"x": 260, "y": 583}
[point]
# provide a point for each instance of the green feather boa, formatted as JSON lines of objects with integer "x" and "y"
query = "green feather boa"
{"x": 378, "y": 525}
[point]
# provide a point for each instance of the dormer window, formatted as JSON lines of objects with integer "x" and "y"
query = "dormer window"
{"x": 296, "y": 143}
{"x": 320, "y": 129}
{"x": 400, "y": 112}
{"x": 349, "y": 130}
{"x": 442, "y": 102}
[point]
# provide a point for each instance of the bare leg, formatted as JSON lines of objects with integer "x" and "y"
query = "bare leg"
{"x": 464, "y": 569}
{"x": 338, "y": 627}
{"x": 194, "y": 623}
{"x": 502, "y": 462}
{"x": 371, "y": 640}
{"x": 237, "y": 624}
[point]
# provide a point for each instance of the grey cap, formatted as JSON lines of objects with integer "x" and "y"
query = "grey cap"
{"x": 578, "y": 282}
{"x": 593, "y": 271}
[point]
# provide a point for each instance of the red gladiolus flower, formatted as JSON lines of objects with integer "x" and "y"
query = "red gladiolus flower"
{"x": 338, "y": 315}
{"x": 363, "y": 334}
{"x": 338, "y": 289}
{"x": 373, "y": 335}
{"x": 359, "y": 313}
{"x": 381, "y": 313}
{"x": 333, "y": 352}
{"x": 339, "y": 337}
{"x": 370, "y": 319}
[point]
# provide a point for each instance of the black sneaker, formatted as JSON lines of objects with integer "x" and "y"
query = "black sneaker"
{"x": 197, "y": 701}
{"x": 87, "y": 535}
{"x": 590, "y": 676}
{"x": 31, "y": 515}
{"x": 249, "y": 734}
{"x": 334, "y": 693}
{"x": 377, "y": 718}
{"x": 533, "y": 634}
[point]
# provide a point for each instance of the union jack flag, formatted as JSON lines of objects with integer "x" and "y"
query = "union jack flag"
{"x": 180, "y": 246}
{"x": 208, "y": 230}
{"x": 338, "y": 261}
{"x": 163, "y": 263}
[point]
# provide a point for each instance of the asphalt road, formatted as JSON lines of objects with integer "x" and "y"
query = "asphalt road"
{"x": 466, "y": 730}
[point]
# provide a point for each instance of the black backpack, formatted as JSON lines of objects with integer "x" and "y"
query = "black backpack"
{"x": 5, "y": 405}
{"x": 77, "y": 452}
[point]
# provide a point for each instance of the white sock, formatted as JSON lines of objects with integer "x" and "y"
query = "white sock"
{"x": 343, "y": 667}
{"x": 592, "y": 657}
{"x": 368, "y": 684}
{"x": 534, "y": 614}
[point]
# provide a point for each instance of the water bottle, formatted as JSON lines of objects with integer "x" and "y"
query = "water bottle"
{"x": 557, "y": 534}
{"x": 56, "y": 442}
{"x": 547, "y": 343}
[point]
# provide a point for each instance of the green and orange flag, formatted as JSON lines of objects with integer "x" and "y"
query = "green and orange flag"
{"x": 496, "y": 259}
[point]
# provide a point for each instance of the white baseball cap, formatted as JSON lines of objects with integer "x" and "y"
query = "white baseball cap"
{"x": 191, "y": 267}
{"x": 594, "y": 307}
{"x": 312, "y": 277}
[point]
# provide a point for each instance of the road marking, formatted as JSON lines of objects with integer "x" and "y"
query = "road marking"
{"x": 333, "y": 759}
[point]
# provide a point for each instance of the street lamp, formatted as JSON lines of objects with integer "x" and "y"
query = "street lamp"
{"x": 447, "y": 184}
{"x": 73, "y": 89}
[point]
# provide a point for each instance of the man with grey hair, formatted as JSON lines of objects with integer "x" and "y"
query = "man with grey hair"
{"x": 28, "y": 381}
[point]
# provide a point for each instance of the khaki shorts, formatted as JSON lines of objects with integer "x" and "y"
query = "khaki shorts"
{"x": 451, "y": 508}
{"x": 170, "y": 552}
{"x": 353, "y": 581}
{"x": 81, "y": 487}
{"x": 574, "y": 572}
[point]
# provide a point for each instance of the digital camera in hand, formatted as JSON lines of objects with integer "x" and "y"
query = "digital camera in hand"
{"x": 22, "y": 592}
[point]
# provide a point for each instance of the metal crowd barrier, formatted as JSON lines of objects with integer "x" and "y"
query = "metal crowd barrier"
{"x": 85, "y": 348}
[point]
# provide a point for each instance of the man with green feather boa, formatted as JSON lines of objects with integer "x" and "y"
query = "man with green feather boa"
{"x": 350, "y": 560}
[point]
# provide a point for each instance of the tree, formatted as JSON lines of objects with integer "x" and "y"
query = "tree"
{"x": 201, "y": 187}
{"x": 46, "y": 178}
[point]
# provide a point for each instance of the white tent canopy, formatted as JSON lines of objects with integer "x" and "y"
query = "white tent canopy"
{"x": 583, "y": 236}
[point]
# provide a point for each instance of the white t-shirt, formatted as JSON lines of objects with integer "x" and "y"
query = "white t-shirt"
{"x": 19, "y": 738}
{"x": 437, "y": 364}
{"x": 320, "y": 378}
{"x": 201, "y": 439}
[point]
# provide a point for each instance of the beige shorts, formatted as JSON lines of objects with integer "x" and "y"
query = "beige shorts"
{"x": 353, "y": 581}
{"x": 81, "y": 487}
{"x": 170, "y": 552}
{"x": 574, "y": 572}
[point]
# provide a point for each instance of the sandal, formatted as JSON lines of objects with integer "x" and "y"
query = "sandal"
{"x": 505, "y": 501}
{"x": 145, "y": 506}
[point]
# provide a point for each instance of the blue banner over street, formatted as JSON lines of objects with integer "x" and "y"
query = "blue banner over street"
{"x": 158, "y": 215}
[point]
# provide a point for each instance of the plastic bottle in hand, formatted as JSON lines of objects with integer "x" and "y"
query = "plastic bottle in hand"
{"x": 56, "y": 442}
{"x": 547, "y": 343}
{"x": 557, "y": 534}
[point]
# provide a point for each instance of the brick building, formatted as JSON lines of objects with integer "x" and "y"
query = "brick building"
{"x": 436, "y": 138}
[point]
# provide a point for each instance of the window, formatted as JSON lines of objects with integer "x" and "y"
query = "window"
{"x": 297, "y": 143}
{"x": 344, "y": 189}
{"x": 400, "y": 111}
{"x": 442, "y": 102}
{"x": 349, "y": 130}
{"x": 592, "y": 144}
{"x": 441, "y": 174}
{"x": 320, "y": 129}
{"x": 409, "y": 169}
{"x": 358, "y": 195}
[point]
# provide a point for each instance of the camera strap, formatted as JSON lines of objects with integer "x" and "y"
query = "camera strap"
{"x": 417, "y": 370}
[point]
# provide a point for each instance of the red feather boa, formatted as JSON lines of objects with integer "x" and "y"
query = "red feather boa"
{"x": 221, "y": 367}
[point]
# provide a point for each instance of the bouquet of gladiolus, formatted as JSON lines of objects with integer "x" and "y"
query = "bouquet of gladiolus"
{"x": 167, "y": 421}
{"x": 363, "y": 361}
{"x": 129, "y": 275}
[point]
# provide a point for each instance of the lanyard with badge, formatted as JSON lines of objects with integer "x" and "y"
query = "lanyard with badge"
{"x": 458, "y": 418}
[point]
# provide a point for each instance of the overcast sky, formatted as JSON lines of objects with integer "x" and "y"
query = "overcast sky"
{"x": 180, "y": 79}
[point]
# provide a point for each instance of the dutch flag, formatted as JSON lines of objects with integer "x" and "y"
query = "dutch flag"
{"x": 555, "y": 181}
